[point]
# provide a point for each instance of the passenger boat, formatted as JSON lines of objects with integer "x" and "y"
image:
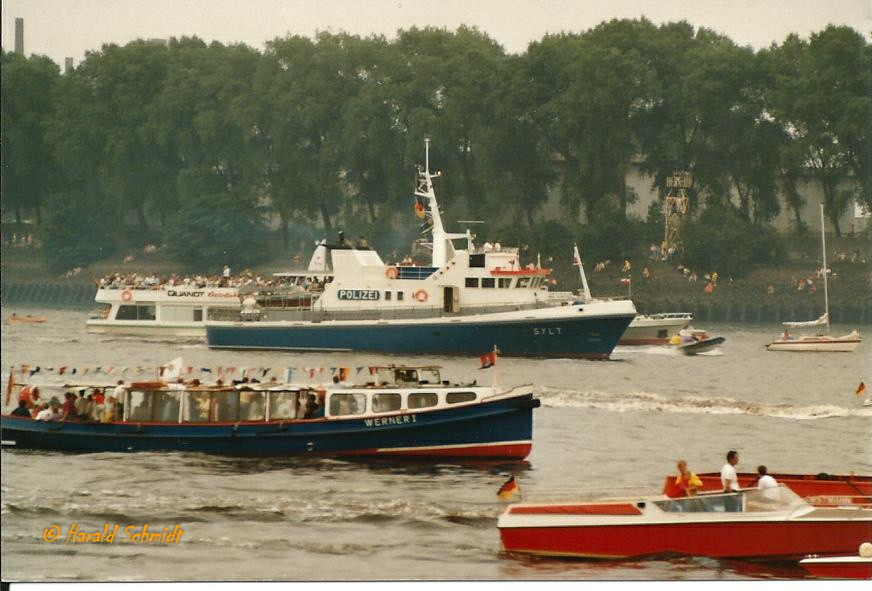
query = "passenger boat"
{"x": 819, "y": 342}
{"x": 467, "y": 300}
{"x": 819, "y": 488}
{"x": 858, "y": 566}
{"x": 402, "y": 411}
{"x": 655, "y": 329}
{"x": 772, "y": 524}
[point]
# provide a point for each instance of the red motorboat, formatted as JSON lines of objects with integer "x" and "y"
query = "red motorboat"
{"x": 841, "y": 567}
{"x": 817, "y": 489}
{"x": 773, "y": 524}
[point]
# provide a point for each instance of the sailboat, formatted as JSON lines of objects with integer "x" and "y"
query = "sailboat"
{"x": 819, "y": 342}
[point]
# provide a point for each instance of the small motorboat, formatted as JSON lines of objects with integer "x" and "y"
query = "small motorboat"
{"x": 816, "y": 489}
{"x": 772, "y": 524}
{"x": 28, "y": 319}
{"x": 692, "y": 341}
{"x": 841, "y": 567}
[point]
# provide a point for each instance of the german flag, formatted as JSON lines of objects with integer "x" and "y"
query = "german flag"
{"x": 509, "y": 489}
{"x": 861, "y": 389}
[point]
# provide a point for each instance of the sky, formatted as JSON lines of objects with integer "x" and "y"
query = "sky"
{"x": 69, "y": 28}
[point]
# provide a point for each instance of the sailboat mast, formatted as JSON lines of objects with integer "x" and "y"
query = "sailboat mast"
{"x": 824, "y": 270}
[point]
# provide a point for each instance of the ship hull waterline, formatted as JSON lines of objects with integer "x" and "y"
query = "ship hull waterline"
{"x": 566, "y": 336}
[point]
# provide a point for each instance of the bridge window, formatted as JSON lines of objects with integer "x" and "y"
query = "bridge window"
{"x": 388, "y": 295}
{"x": 386, "y": 402}
{"x": 505, "y": 282}
{"x": 400, "y": 295}
{"x": 422, "y": 399}
{"x": 523, "y": 282}
{"x": 347, "y": 404}
{"x": 488, "y": 282}
{"x": 476, "y": 260}
{"x": 458, "y": 397}
{"x": 472, "y": 282}
{"x": 166, "y": 406}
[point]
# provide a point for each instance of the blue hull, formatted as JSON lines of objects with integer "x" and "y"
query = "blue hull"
{"x": 553, "y": 337}
{"x": 501, "y": 429}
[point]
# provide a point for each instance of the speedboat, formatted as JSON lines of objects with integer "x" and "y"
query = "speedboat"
{"x": 773, "y": 524}
{"x": 402, "y": 411}
{"x": 816, "y": 489}
{"x": 692, "y": 341}
{"x": 858, "y": 566}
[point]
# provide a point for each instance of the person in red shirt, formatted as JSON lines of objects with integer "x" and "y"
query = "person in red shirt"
{"x": 68, "y": 409}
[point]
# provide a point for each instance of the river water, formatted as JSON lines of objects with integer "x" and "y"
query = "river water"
{"x": 611, "y": 426}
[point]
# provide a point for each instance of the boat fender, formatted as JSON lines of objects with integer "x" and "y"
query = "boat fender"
{"x": 126, "y": 295}
{"x": 391, "y": 273}
{"x": 421, "y": 295}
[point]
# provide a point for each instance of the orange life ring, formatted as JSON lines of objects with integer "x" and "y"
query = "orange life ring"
{"x": 421, "y": 295}
{"x": 391, "y": 272}
{"x": 126, "y": 295}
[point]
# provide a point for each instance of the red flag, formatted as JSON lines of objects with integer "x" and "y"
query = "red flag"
{"x": 419, "y": 210}
{"x": 861, "y": 389}
{"x": 509, "y": 489}
{"x": 488, "y": 360}
{"x": 10, "y": 385}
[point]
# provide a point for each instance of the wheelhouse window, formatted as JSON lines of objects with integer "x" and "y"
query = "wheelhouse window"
{"x": 471, "y": 282}
{"x": 140, "y": 406}
{"x": 342, "y": 404}
{"x": 523, "y": 282}
{"x": 488, "y": 282}
{"x": 135, "y": 313}
{"x": 428, "y": 376}
{"x": 422, "y": 399}
{"x": 166, "y": 406}
{"x": 505, "y": 282}
{"x": 458, "y": 397}
{"x": 252, "y": 406}
{"x": 386, "y": 402}
{"x": 283, "y": 405}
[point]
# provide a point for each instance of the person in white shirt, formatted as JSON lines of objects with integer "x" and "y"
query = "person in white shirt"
{"x": 766, "y": 484}
{"x": 50, "y": 413}
{"x": 729, "y": 479}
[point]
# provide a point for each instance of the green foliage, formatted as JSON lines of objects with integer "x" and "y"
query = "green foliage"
{"x": 77, "y": 231}
{"x": 610, "y": 235}
{"x": 721, "y": 240}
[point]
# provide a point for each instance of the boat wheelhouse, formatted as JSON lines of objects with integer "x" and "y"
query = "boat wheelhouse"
{"x": 401, "y": 411}
{"x": 772, "y": 524}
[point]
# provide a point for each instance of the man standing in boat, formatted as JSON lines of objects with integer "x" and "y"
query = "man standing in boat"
{"x": 730, "y": 480}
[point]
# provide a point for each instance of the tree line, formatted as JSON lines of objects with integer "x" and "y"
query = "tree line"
{"x": 194, "y": 145}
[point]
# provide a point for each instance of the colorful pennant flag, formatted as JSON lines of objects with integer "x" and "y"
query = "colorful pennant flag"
{"x": 509, "y": 489}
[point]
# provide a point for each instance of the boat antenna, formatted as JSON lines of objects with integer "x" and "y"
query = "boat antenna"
{"x": 577, "y": 261}
{"x": 824, "y": 270}
{"x": 443, "y": 249}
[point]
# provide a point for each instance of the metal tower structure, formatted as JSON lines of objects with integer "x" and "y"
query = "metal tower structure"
{"x": 674, "y": 209}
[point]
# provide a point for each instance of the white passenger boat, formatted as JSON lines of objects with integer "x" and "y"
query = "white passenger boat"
{"x": 655, "y": 329}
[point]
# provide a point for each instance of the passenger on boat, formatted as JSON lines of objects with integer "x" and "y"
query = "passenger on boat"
{"x": 312, "y": 407}
{"x": 83, "y": 409}
{"x": 120, "y": 389}
{"x": 109, "y": 410}
{"x": 22, "y": 410}
{"x": 686, "y": 483}
{"x": 730, "y": 480}
{"x": 765, "y": 482}
{"x": 68, "y": 409}
{"x": 50, "y": 413}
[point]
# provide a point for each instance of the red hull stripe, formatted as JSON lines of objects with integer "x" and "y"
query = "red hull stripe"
{"x": 637, "y": 342}
{"x": 840, "y": 570}
{"x": 787, "y": 540}
{"x": 586, "y": 509}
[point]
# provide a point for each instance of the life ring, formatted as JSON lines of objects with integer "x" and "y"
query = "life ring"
{"x": 126, "y": 295}
{"x": 421, "y": 295}
{"x": 391, "y": 273}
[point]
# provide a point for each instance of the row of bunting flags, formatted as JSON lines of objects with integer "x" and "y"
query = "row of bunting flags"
{"x": 168, "y": 371}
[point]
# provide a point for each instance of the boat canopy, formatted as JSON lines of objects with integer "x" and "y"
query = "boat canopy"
{"x": 822, "y": 320}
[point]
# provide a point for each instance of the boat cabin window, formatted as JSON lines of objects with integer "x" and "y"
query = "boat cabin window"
{"x": 140, "y": 406}
{"x": 400, "y": 296}
{"x": 342, "y": 404}
{"x": 422, "y": 399}
{"x": 252, "y": 406}
{"x": 165, "y": 406}
{"x": 226, "y": 406}
{"x": 181, "y": 313}
{"x": 283, "y": 405}
{"x": 458, "y": 397}
{"x": 523, "y": 282}
{"x": 428, "y": 376}
{"x": 388, "y": 296}
{"x": 471, "y": 282}
{"x": 199, "y": 406}
{"x": 386, "y": 402}
{"x": 505, "y": 282}
{"x": 406, "y": 377}
{"x": 488, "y": 282}
{"x": 135, "y": 313}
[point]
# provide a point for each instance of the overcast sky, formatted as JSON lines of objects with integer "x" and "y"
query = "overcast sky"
{"x": 69, "y": 28}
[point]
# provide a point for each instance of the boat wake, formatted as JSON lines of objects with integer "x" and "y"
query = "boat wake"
{"x": 650, "y": 402}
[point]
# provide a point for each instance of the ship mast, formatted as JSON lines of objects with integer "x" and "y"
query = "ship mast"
{"x": 443, "y": 249}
